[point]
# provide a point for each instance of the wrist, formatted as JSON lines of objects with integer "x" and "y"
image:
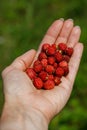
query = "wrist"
{"x": 19, "y": 116}
{"x": 36, "y": 118}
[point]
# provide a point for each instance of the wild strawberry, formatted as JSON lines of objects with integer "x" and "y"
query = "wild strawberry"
{"x": 31, "y": 73}
{"x": 58, "y": 56}
{"x": 45, "y": 47}
{"x": 54, "y": 46}
{"x": 38, "y": 67}
{"x": 44, "y": 62}
{"x": 51, "y": 60}
{"x": 66, "y": 58}
{"x": 38, "y": 83}
{"x": 57, "y": 80}
{"x": 51, "y": 50}
{"x": 43, "y": 75}
{"x": 36, "y": 62}
{"x": 69, "y": 51}
{"x": 50, "y": 77}
{"x": 55, "y": 65}
{"x": 66, "y": 70}
{"x": 49, "y": 84}
{"x": 50, "y": 69}
{"x": 62, "y": 46}
{"x": 59, "y": 72}
{"x": 63, "y": 64}
{"x": 42, "y": 55}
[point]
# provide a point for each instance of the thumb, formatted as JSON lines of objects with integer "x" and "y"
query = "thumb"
{"x": 22, "y": 62}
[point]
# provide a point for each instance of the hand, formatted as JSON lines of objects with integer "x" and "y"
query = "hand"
{"x": 18, "y": 88}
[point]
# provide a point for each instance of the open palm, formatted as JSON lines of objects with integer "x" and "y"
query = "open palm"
{"x": 19, "y": 88}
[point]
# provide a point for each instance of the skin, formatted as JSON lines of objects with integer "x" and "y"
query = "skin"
{"x": 26, "y": 107}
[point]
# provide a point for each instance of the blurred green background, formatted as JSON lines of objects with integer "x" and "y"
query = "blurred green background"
{"x": 23, "y": 24}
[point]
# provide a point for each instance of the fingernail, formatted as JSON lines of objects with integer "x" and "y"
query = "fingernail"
{"x": 70, "y": 20}
{"x": 77, "y": 26}
{"x": 77, "y": 29}
{"x": 62, "y": 19}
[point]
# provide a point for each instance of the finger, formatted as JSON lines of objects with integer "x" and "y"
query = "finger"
{"x": 74, "y": 62}
{"x": 22, "y": 62}
{"x": 65, "y": 32}
{"x": 52, "y": 34}
{"x": 74, "y": 36}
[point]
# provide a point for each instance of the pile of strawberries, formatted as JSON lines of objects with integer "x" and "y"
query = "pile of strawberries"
{"x": 50, "y": 66}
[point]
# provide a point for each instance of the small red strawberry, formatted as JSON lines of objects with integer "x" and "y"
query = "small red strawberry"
{"x": 50, "y": 77}
{"x": 44, "y": 62}
{"x": 66, "y": 58}
{"x": 38, "y": 68}
{"x": 59, "y": 72}
{"x": 41, "y": 56}
{"x": 31, "y": 73}
{"x": 51, "y": 60}
{"x": 49, "y": 84}
{"x": 62, "y": 46}
{"x": 50, "y": 69}
{"x": 58, "y": 56}
{"x": 63, "y": 64}
{"x": 45, "y": 47}
{"x": 36, "y": 62}
{"x": 51, "y": 51}
{"x": 69, "y": 51}
{"x": 54, "y": 46}
{"x": 66, "y": 70}
{"x": 43, "y": 75}
{"x": 38, "y": 83}
{"x": 57, "y": 80}
{"x": 55, "y": 65}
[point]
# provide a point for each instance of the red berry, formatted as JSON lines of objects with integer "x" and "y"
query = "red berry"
{"x": 43, "y": 75}
{"x": 62, "y": 46}
{"x": 49, "y": 84}
{"x": 38, "y": 67}
{"x": 66, "y": 58}
{"x": 54, "y": 46}
{"x": 36, "y": 62}
{"x": 50, "y": 69}
{"x": 69, "y": 51}
{"x": 38, "y": 83}
{"x": 42, "y": 55}
{"x": 66, "y": 70}
{"x": 63, "y": 64}
{"x": 50, "y": 77}
{"x": 51, "y": 50}
{"x": 57, "y": 80}
{"x": 44, "y": 62}
{"x": 55, "y": 65}
{"x": 45, "y": 46}
{"x": 51, "y": 60}
{"x": 58, "y": 56}
{"x": 59, "y": 72}
{"x": 31, "y": 73}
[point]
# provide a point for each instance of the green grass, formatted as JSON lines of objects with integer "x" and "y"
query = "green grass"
{"x": 22, "y": 26}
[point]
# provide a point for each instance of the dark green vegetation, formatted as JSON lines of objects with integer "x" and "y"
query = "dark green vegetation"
{"x": 23, "y": 24}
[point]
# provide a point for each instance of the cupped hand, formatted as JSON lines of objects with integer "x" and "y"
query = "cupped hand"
{"x": 18, "y": 88}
